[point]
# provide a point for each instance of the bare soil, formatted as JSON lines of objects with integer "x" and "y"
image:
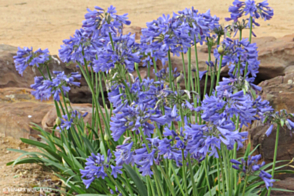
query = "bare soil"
{"x": 22, "y": 180}
{"x": 45, "y": 23}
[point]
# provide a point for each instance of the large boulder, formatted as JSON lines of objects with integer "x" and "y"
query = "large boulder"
{"x": 18, "y": 109}
{"x": 279, "y": 91}
{"x": 276, "y": 56}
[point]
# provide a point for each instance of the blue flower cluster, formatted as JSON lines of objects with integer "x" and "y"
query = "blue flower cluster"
{"x": 237, "y": 55}
{"x": 251, "y": 166}
{"x": 94, "y": 37}
{"x": 249, "y": 7}
{"x": 68, "y": 120}
{"x": 26, "y": 57}
{"x": 96, "y": 167}
{"x": 44, "y": 88}
{"x": 176, "y": 33}
{"x": 122, "y": 51}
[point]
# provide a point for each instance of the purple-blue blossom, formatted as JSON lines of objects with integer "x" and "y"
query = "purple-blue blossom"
{"x": 249, "y": 7}
{"x": 45, "y": 88}
{"x": 251, "y": 166}
{"x": 26, "y": 57}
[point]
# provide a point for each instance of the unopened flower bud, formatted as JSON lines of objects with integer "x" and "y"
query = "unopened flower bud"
{"x": 67, "y": 100}
{"x": 210, "y": 41}
{"x": 106, "y": 137}
{"x": 220, "y": 49}
{"x": 58, "y": 121}
{"x": 180, "y": 78}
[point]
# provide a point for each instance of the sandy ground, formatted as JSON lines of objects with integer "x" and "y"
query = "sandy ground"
{"x": 45, "y": 23}
{"x": 21, "y": 180}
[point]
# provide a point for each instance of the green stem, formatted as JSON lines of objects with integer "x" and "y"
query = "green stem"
{"x": 118, "y": 185}
{"x": 250, "y": 36}
{"x": 275, "y": 155}
{"x": 227, "y": 170}
{"x": 138, "y": 73}
{"x": 250, "y": 32}
{"x": 213, "y": 77}
{"x": 176, "y": 177}
{"x": 218, "y": 175}
{"x": 222, "y": 172}
{"x": 184, "y": 173}
{"x": 148, "y": 70}
{"x": 206, "y": 176}
{"x": 195, "y": 192}
{"x": 171, "y": 187}
{"x": 197, "y": 67}
{"x": 206, "y": 75}
{"x": 151, "y": 185}
{"x": 111, "y": 40}
{"x": 102, "y": 94}
{"x": 219, "y": 71}
{"x": 155, "y": 68}
{"x": 170, "y": 69}
{"x": 184, "y": 68}
{"x": 189, "y": 70}
{"x": 244, "y": 187}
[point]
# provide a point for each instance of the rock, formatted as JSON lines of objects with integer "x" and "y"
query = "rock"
{"x": 18, "y": 109}
{"x": 279, "y": 91}
{"x": 267, "y": 144}
{"x": 49, "y": 119}
{"x": 276, "y": 56}
{"x": 284, "y": 184}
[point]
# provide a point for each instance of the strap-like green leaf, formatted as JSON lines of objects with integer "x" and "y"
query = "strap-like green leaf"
{"x": 137, "y": 180}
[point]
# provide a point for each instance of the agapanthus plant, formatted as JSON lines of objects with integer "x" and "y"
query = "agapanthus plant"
{"x": 152, "y": 136}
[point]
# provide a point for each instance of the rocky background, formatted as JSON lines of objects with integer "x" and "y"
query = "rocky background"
{"x": 46, "y": 23}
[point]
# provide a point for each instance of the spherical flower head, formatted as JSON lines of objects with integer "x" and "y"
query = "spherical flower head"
{"x": 80, "y": 47}
{"x": 124, "y": 51}
{"x": 95, "y": 168}
{"x": 45, "y": 88}
{"x": 102, "y": 23}
{"x": 176, "y": 34}
{"x": 265, "y": 11}
{"x": 26, "y": 57}
{"x": 249, "y": 7}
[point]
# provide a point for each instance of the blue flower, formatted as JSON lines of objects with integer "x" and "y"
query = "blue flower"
{"x": 123, "y": 154}
{"x": 250, "y": 8}
{"x": 168, "y": 151}
{"x": 251, "y": 166}
{"x": 95, "y": 168}
{"x": 144, "y": 160}
{"x": 266, "y": 177}
{"x": 269, "y": 130}
{"x": 44, "y": 88}
{"x": 26, "y": 57}
{"x": 176, "y": 34}
{"x": 265, "y": 11}
{"x": 242, "y": 52}
{"x": 125, "y": 52}
{"x": 116, "y": 170}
